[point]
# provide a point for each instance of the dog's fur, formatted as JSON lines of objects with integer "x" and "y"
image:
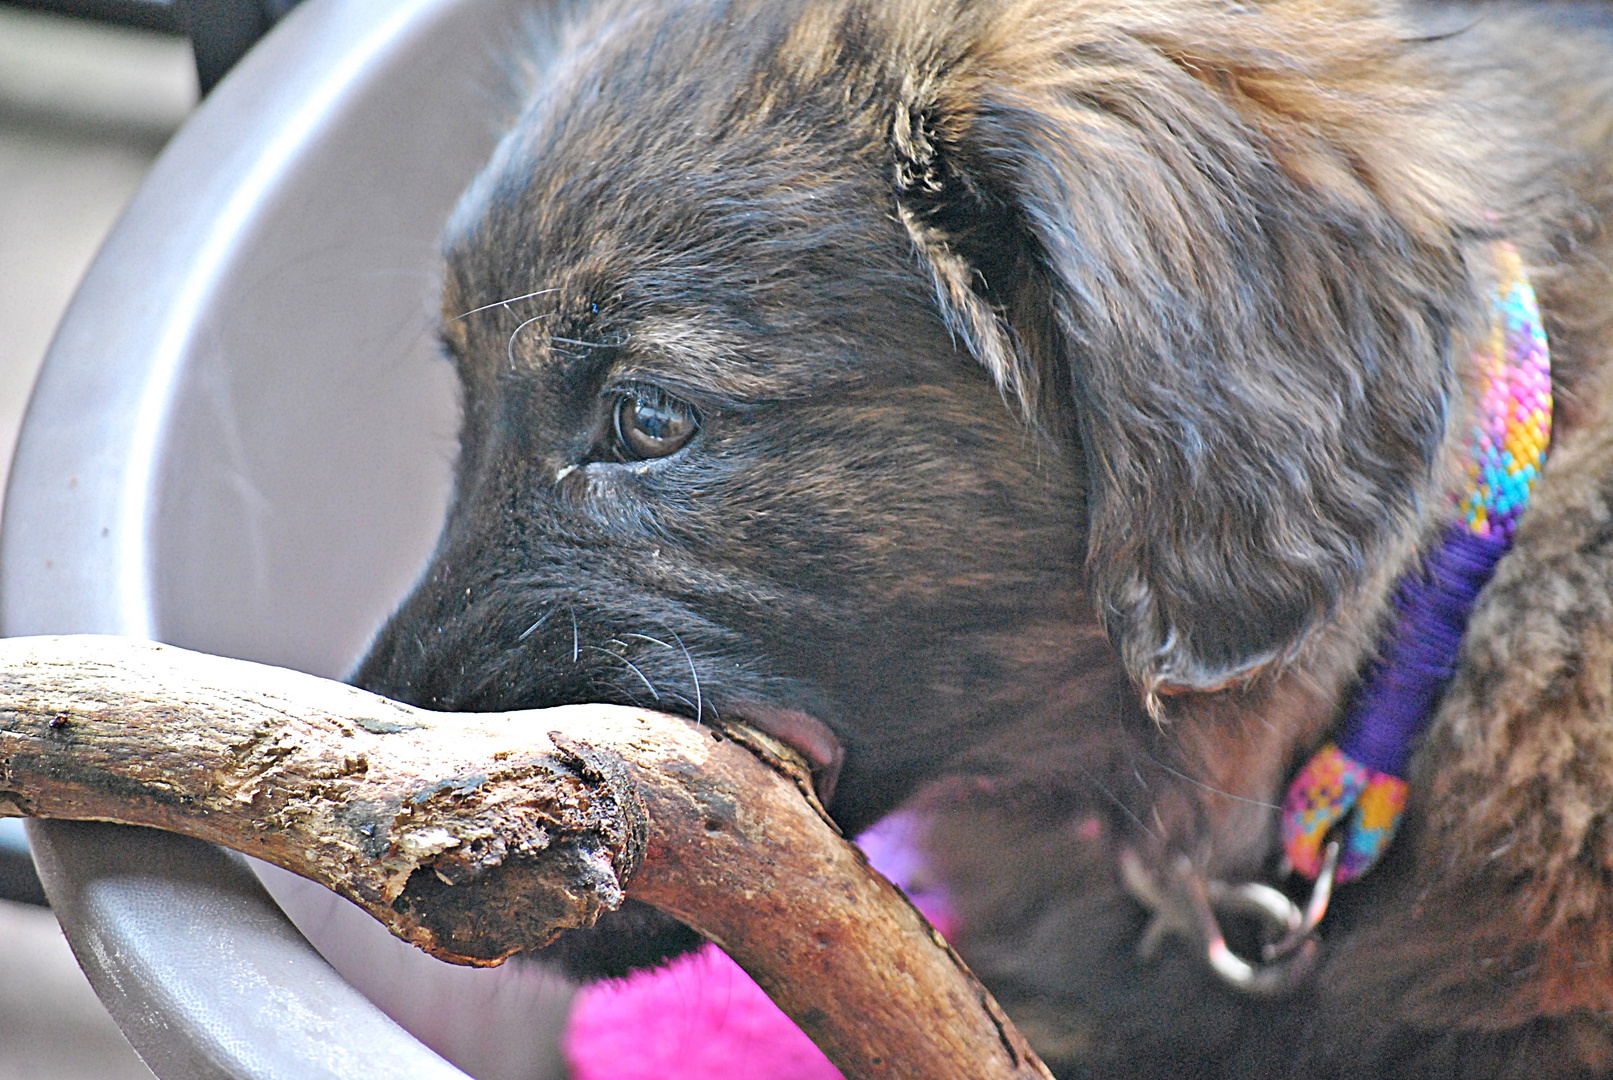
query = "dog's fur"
{"x": 1058, "y": 360}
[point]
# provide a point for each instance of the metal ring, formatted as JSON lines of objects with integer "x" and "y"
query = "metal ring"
{"x": 1192, "y": 907}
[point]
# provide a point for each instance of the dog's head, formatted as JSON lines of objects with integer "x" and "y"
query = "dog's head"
{"x": 936, "y": 384}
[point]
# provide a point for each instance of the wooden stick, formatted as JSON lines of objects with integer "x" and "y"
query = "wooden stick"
{"x": 476, "y": 836}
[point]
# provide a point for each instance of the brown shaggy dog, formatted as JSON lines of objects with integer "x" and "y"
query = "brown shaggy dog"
{"x": 944, "y": 384}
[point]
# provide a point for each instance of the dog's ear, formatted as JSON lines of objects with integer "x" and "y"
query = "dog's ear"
{"x": 1239, "y": 279}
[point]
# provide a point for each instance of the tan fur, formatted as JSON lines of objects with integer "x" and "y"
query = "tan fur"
{"x": 1495, "y": 914}
{"x": 1224, "y": 264}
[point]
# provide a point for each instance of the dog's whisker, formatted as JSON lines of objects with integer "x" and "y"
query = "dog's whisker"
{"x": 1119, "y": 804}
{"x": 509, "y": 349}
{"x": 574, "y": 638}
{"x": 646, "y": 637}
{"x": 503, "y": 303}
{"x": 699, "y": 711}
{"x": 625, "y": 691}
{"x": 634, "y": 668}
{"x": 1209, "y": 787}
{"x": 656, "y": 694}
{"x": 679, "y": 697}
{"x": 528, "y": 631}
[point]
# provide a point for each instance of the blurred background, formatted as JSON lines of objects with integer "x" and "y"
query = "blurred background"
{"x": 90, "y": 92}
{"x": 85, "y": 106}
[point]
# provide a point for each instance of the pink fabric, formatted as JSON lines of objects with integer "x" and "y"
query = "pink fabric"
{"x": 702, "y": 1018}
{"x": 698, "y": 1017}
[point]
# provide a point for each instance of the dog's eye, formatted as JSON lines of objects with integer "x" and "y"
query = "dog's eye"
{"x": 652, "y": 424}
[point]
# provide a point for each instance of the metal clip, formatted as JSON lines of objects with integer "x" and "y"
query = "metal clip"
{"x": 1192, "y": 907}
{"x": 1315, "y": 907}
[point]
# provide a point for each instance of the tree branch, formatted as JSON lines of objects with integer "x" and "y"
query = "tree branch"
{"x": 476, "y": 836}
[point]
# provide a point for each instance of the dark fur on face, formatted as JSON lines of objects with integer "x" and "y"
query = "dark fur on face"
{"x": 1055, "y": 363}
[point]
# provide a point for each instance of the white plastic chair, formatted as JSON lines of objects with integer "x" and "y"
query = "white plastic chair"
{"x": 241, "y": 443}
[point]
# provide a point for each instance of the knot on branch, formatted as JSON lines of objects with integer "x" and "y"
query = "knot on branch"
{"x": 494, "y": 879}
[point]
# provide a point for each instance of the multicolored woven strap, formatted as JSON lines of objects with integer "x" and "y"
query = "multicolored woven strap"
{"x": 1355, "y": 783}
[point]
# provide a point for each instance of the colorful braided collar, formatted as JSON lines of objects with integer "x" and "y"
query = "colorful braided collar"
{"x": 1356, "y": 784}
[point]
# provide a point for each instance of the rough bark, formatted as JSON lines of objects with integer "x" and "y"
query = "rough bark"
{"x": 476, "y": 836}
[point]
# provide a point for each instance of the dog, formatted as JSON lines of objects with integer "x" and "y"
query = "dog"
{"x": 1026, "y": 408}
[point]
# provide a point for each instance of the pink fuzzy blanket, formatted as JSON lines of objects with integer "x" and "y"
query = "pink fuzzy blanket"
{"x": 702, "y": 1018}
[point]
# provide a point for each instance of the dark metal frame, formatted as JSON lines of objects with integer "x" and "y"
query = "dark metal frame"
{"x": 220, "y": 31}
